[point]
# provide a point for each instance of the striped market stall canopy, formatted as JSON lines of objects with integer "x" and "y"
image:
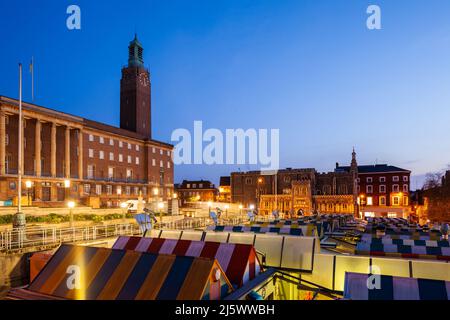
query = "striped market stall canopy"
{"x": 239, "y": 261}
{"x": 111, "y": 274}
{"x": 282, "y": 229}
{"x": 404, "y": 251}
{"x": 394, "y": 288}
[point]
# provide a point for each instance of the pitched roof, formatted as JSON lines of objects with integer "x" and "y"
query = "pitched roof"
{"x": 239, "y": 261}
{"x": 128, "y": 275}
{"x": 378, "y": 168}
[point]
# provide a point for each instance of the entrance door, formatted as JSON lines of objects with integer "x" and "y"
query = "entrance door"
{"x": 61, "y": 194}
{"x": 46, "y": 193}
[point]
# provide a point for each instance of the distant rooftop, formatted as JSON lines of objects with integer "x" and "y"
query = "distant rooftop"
{"x": 377, "y": 168}
{"x": 225, "y": 181}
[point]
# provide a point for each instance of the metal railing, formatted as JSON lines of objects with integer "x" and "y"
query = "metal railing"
{"x": 35, "y": 237}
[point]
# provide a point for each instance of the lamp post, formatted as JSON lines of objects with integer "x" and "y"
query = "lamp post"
{"x": 240, "y": 209}
{"x": 28, "y": 185}
{"x": 226, "y": 210}
{"x": 160, "y": 207}
{"x": 71, "y": 205}
{"x": 258, "y": 193}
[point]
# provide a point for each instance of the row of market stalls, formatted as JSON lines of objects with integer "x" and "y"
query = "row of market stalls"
{"x": 237, "y": 263}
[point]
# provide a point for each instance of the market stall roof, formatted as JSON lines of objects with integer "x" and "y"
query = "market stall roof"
{"x": 89, "y": 273}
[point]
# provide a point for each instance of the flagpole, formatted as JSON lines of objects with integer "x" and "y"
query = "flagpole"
{"x": 32, "y": 78}
{"x": 19, "y": 220}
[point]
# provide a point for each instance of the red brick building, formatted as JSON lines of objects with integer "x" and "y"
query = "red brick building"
{"x": 383, "y": 190}
{"x": 104, "y": 164}
{"x": 198, "y": 190}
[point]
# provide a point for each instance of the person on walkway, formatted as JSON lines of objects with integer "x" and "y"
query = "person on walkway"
{"x": 444, "y": 231}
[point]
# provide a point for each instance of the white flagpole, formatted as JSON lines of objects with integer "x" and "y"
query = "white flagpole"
{"x": 19, "y": 171}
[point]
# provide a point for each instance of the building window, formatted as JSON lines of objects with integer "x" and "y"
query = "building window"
{"x": 120, "y": 144}
{"x": 382, "y": 179}
{"x": 405, "y": 201}
{"x": 382, "y": 201}
{"x": 153, "y": 162}
{"x": 129, "y": 173}
{"x": 369, "y": 180}
{"x": 188, "y": 185}
{"x": 101, "y": 155}
{"x": 129, "y": 146}
{"x": 111, "y": 156}
{"x": 395, "y": 178}
{"x": 120, "y": 158}
{"x": 98, "y": 189}
{"x": 168, "y": 164}
{"x": 248, "y": 181}
{"x": 382, "y": 188}
{"x": 287, "y": 179}
{"x": 369, "y": 201}
{"x": 137, "y": 160}
{"x": 137, "y": 148}
{"x": 90, "y": 171}
{"x": 405, "y": 179}
{"x": 6, "y": 120}
{"x": 160, "y": 151}
{"x": 101, "y": 139}
{"x": 136, "y": 190}
{"x": 111, "y": 142}
{"x": 194, "y": 185}
{"x": 369, "y": 189}
{"x": 91, "y": 153}
{"x": 87, "y": 189}
{"x": 405, "y": 188}
{"x": 153, "y": 150}
{"x": 396, "y": 201}
{"x": 161, "y": 164}
{"x": 7, "y": 139}
{"x": 127, "y": 190}
{"x": 109, "y": 189}
{"x": 395, "y": 188}
{"x": 129, "y": 159}
{"x": 110, "y": 172}
{"x": 91, "y": 137}
{"x": 169, "y": 153}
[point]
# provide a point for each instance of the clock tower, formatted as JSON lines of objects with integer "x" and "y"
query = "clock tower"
{"x": 135, "y": 93}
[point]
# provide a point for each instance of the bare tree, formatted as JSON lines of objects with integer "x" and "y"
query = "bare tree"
{"x": 432, "y": 180}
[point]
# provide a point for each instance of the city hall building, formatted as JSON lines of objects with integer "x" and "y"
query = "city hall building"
{"x": 97, "y": 164}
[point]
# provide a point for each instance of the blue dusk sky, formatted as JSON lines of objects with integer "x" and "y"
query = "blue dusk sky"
{"x": 309, "y": 68}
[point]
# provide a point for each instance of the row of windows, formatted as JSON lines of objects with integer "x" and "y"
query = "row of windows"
{"x": 121, "y": 144}
{"x": 200, "y": 185}
{"x": 101, "y": 156}
{"x": 396, "y": 201}
{"x": 383, "y": 179}
{"x": 382, "y": 188}
{"x": 109, "y": 190}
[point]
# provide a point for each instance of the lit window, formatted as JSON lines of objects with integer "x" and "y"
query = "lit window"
{"x": 98, "y": 189}
{"x": 405, "y": 201}
{"x": 137, "y": 160}
{"x": 396, "y": 201}
{"x": 129, "y": 146}
{"x": 111, "y": 142}
{"x": 101, "y": 154}
{"x": 161, "y": 163}
{"x": 129, "y": 173}
{"x": 109, "y": 189}
{"x": 137, "y": 148}
{"x": 392, "y": 215}
{"x": 87, "y": 188}
{"x": 153, "y": 162}
{"x": 160, "y": 151}
{"x": 111, "y": 156}
{"x": 136, "y": 190}
{"x": 382, "y": 201}
{"x": 129, "y": 159}
{"x": 91, "y": 137}
{"x": 169, "y": 153}
{"x": 153, "y": 150}
{"x": 168, "y": 165}
{"x": 127, "y": 190}
{"x": 120, "y": 158}
{"x": 110, "y": 172}
{"x": 91, "y": 153}
{"x": 120, "y": 144}
{"x": 369, "y": 201}
{"x": 90, "y": 171}
{"x": 102, "y": 140}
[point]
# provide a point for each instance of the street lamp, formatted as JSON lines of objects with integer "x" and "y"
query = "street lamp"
{"x": 226, "y": 210}
{"x": 252, "y": 207}
{"x": 66, "y": 186}
{"x": 71, "y": 205}
{"x": 28, "y": 185}
{"x": 260, "y": 180}
{"x": 124, "y": 205}
{"x": 160, "y": 207}
{"x": 240, "y": 209}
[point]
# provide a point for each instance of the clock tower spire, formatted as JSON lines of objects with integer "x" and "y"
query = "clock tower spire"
{"x": 135, "y": 92}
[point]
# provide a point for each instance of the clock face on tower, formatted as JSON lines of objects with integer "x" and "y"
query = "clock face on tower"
{"x": 143, "y": 79}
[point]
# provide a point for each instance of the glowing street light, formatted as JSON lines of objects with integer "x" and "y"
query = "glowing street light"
{"x": 71, "y": 205}
{"x": 28, "y": 185}
{"x": 252, "y": 207}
